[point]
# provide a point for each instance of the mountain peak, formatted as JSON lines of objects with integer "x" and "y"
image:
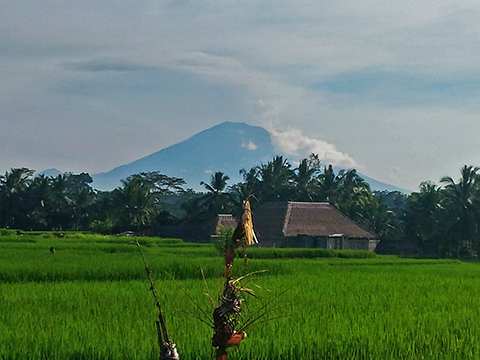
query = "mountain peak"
{"x": 49, "y": 172}
{"x": 227, "y": 147}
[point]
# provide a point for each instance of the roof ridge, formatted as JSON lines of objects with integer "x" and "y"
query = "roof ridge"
{"x": 353, "y": 221}
{"x": 305, "y": 204}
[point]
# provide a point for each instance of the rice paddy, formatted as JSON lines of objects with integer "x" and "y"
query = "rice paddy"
{"x": 90, "y": 299}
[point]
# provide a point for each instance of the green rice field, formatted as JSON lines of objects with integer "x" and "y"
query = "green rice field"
{"x": 91, "y": 300}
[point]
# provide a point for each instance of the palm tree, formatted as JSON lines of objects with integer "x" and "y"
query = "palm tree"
{"x": 329, "y": 184}
{"x": 305, "y": 181}
{"x": 13, "y": 186}
{"x": 218, "y": 183}
{"x": 139, "y": 202}
{"x": 216, "y": 199}
{"x": 40, "y": 194}
{"x": 463, "y": 201}
{"x": 377, "y": 216}
{"x": 275, "y": 180}
{"x": 195, "y": 209}
{"x": 60, "y": 203}
{"x": 424, "y": 219}
{"x": 251, "y": 183}
{"x": 350, "y": 186}
{"x": 83, "y": 200}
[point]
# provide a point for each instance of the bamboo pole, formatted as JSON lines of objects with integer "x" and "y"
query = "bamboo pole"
{"x": 168, "y": 350}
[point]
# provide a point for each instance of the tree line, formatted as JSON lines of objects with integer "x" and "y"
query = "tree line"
{"x": 441, "y": 220}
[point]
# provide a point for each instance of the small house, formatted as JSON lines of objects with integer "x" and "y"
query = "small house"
{"x": 204, "y": 232}
{"x": 309, "y": 224}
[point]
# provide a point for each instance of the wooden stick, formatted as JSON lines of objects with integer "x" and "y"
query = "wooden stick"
{"x": 167, "y": 348}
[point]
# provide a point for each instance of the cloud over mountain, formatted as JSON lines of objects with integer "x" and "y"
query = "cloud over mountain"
{"x": 292, "y": 142}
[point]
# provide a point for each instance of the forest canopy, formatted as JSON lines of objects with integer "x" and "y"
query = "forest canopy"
{"x": 440, "y": 220}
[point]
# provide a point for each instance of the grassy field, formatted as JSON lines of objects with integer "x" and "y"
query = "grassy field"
{"x": 91, "y": 300}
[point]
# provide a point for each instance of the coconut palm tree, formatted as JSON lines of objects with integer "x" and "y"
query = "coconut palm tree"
{"x": 329, "y": 184}
{"x": 250, "y": 187}
{"x": 13, "y": 186}
{"x": 425, "y": 217}
{"x": 462, "y": 199}
{"x": 39, "y": 193}
{"x": 217, "y": 199}
{"x": 305, "y": 180}
{"x": 138, "y": 202}
{"x": 83, "y": 200}
{"x": 218, "y": 183}
{"x": 60, "y": 203}
{"x": 376, "y": 216}
{"x": 275, "y": 180}
{"x": 350, "y": 186}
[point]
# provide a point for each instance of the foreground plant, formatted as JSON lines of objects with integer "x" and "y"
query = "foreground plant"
{"x": 225, "y": 316}
{"x": 228, "y": 330}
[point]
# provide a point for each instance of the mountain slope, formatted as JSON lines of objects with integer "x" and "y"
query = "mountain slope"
{"x": 227, "y": 147}
{"x": 49, "y": 173}
{"x": 380, "y": 186}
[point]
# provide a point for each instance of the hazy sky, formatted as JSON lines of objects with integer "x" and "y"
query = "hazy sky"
{"x": 390, "y": 87}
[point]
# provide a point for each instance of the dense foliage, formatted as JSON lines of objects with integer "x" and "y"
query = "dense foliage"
{"x": 438, "y": 220}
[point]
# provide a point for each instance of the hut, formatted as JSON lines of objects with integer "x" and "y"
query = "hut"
{"x": 309, "y": 224}
{"x": 204, "y": 232}
{"x": 226, "y": 220}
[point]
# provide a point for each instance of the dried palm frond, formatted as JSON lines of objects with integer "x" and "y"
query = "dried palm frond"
{"x": 262, "y": 312}
{"x": 235, "y": 281}
{"x": 202, "y": 311}
{"x": 212, "y": 302}
{"x": 244, "y": 234}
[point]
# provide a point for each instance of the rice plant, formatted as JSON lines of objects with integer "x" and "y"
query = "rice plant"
{"x": 90, "y": 299}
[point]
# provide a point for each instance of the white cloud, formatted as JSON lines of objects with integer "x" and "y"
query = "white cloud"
{"x": 250, "y": 145}
{"x": 292, "y": 142}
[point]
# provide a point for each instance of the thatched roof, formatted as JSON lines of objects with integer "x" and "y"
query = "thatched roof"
{"x": 290, "y": 219}
{"x": 226, "y": 220}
